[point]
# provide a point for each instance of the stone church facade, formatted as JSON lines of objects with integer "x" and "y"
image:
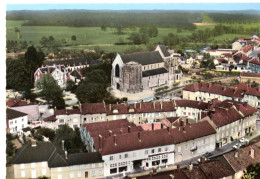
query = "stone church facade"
{"x": 136, "y": 72}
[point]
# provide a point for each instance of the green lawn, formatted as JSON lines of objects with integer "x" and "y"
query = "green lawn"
{"x": 90, "y": 37}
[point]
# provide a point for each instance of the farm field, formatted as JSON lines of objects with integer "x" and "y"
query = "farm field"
{"x": 90, "y": 37}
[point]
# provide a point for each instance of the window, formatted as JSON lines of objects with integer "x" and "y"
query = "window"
{"x": 44, "y": 172}
{"x": 93, "y": 165}
{"x": 114, "y": 170}
{"x": 146, "y": 152}
{"x": 79, "y": 174}
{"x": 22, "y": 166}
{"x": 111, "y": 157}
{"x": 15, "y": 121}
{"x": 22, "y": 119}
{"x": 61, "y": 121}
{"x": 152, "y": 151}
{"x": 117, "y": 71}
{"x": 100, "y": 164}
{"x": 86, "y": 174}
{"x": 119, "y": 156}
{"x": 33, "y": 165}
{"x": 179, "y": 149}
{"x": 59, "y": 169}
{"x": 93, "y": 173}
{"x": 23, "y": 174}
{"x": 11, "y": 122}
{"x": 159, "y": 149}
{"x": 126, "y": 155}
{"x": 44, "y": 164}
{"x": 166, "y": 148}
{"x": 85, "y": 119}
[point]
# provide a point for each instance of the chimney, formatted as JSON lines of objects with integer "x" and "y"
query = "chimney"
{"x": 135, "y": 105}
{"x": 202, "y": 159}
{"x": 121, "y": 131}
{"x": 181, "y": 123}
{"x": 152, "y": 126}
{"x": 236, "y": 154}
{"x": 59, "y": 67}
{"x": 183, "y": 128}
{"x": 187, "y": 121}
{"x": 110, "y": 132}
{"x": 154, "y": 170}
{"x": 252, "y": 153}
{"x": 100, "y": 141}
{"x": 34, "y": 144}
{"x": 178, "y": 168}
{"x": 129, "y": 129}
{"x": 171, "y": 176}
{"x": 115, "y": 140}
{"x": 190, "y": 167}
{"x": 62, "y": 144}
{"x": 110, "y": 108}
{"x": 161, "y": 105}
{"x": 66, "y": 154}
{"x": 168, "y": 129}
{"x": 48, "y": 69}
{"x": 139, "y": 136}
{"x": 153, "y": 104}
{"x": 140, "y": 105}
{"x": 161, "y": 125}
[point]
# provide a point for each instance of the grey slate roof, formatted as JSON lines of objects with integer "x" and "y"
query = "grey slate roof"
{"x": 28, "y": 154}
{"x": 12, "y": 114}
{"x": 54, "y": 155}
{"x": 154, "y": 72}
{"x": 144, "y": 58}
{"x": 69, "y": 62}
{"x": 45, "y": 69}
{"x": 164, "y": 50}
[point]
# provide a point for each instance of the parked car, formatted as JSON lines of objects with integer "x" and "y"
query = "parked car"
{"x": 243, "y": 140}
{"x": 207, "y": 154}
{"x": 236, "y": 146}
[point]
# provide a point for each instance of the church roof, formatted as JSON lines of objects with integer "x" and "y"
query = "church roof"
{"x": 164, "y": 50}
{"x": 156, "y": 71}
{"x": 144, "y": 58}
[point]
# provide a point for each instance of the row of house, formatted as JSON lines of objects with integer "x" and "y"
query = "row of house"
{"x": 229, "y": 166}
{"x": 126, "y": 147}
{"x": 206, "y": 92}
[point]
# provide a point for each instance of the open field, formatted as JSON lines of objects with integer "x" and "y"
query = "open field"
{"x": 90, "y": 37}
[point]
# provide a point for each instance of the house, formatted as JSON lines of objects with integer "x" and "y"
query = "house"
{"x": 55, "y": 162}
{"x": 206, "y": 92}
{"x": 31, "y": 109}
{"x": 59, "y": 73}
{"x": 235, "y": 68}
{"x": 232, "y": 120}
{"x": 133, "y": 73}
{"x": 70, "y": 64}
{"x": 219, "y": 52}
{"x": 16, "y": 121}
{"x": 125, "y": 147}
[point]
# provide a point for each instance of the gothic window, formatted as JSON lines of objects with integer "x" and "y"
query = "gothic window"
{"x": 117, "y": 72}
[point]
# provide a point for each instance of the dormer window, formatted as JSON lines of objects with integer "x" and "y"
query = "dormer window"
{"x": 131, "y": 110}
{"x": 115, "y": 111}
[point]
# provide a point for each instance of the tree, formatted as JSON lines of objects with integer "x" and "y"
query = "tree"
{"x": 103, "y": 27}
{"x": 72, "y": 139}
{"x": 18, "y": 32}
{"x": 93, "y": 88}
{"x": 252, "y": 172}
{"x": 33, "y": 60}
{"x": 17, "y": 75}
{"x": 51, "y": 91}
{"x": 73, "y": 37}
{"x": 70, "y": 85}
{"x": 47, "y": 133}
{"x": 231, "y": 67}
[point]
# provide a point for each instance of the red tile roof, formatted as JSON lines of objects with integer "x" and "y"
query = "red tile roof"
{"x": 153, "y": 126}
{"x": 227, "y": 112}
{"x": 14, "y": 102}
{"x": 67, "y": 112}
{"x": 244, "y": 158}
{"x": 237, "y": 91}
{"x": 247, "y": 48}
{"x": 215, "y": 169}
{"x": 93, "y": 108}
{"x": 191, "y": 104}
{"x": 165, "y": 175}
{"x": 50, "y": 118}
{"x": 131, "y": 141}
{"x": 228, "y": 55}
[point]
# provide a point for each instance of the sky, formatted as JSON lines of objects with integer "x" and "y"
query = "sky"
{"x": 138, "y": 6}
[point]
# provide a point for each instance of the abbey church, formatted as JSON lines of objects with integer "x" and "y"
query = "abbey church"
{"x": 136, "y": 72}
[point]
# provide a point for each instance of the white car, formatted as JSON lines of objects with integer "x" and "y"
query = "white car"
{"x": 243, "y": 140}
{"x": 236, "y": 146}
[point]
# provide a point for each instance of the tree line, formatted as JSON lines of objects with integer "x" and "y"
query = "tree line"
{"x": 75, "y": 18}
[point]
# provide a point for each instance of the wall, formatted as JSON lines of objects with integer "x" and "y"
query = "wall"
{"x": 27, "y": 170}
{"x": 16, "y": 125}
